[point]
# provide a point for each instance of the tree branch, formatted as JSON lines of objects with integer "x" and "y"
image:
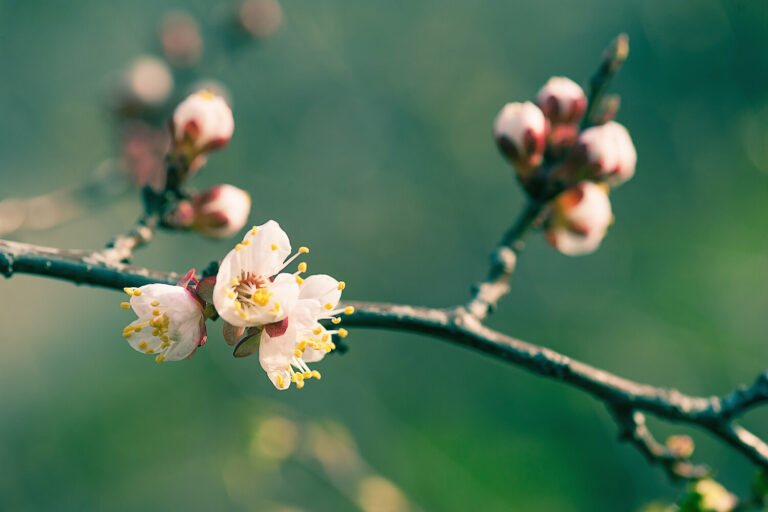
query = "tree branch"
{"x": 455, "y": 325}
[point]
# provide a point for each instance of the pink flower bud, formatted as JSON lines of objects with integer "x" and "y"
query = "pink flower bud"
{"x": 221, "y": 211}
{"x": 579, "y": 218}
{"x": 604, "y": 152}
{"x": 181, "y": 39}
{"x": 201, "y": 123}
{"x": 260, "y": 18}
{"x": 520, "y": 130}
{"x": 562, "y": 101}
{"x": 144, "y": 85}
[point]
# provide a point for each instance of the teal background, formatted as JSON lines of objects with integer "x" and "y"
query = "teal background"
{"x": 364, "y": 129}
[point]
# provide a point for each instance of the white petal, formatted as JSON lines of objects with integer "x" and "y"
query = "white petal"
{"x": 322, "y": 288}
{"x": 275, "y": 356}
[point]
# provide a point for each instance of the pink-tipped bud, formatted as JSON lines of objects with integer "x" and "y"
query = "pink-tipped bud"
{"x": 201, "y": 123}
{"x": 221, "y": 211}
{"x": 579, "y": 218}
{"x": 520, "y": 130}
{"x": 562, "y": 100}
{"x": 604, "y": 153}
{"x": 181, "y": 39}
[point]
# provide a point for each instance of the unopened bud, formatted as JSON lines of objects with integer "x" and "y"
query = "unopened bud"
{"x": 616, "y": 53}
{"x": 201, "y": 123}
{"x": 144, "y": 85}
{"x": 604, "y": 153}
{"x": 562, "y": 100}
{"x": 221, "y": 211}
{"x": 578, "y": 219}
{"x": 181, "y": 39}
{"x": 260, "y": 18}
{"x": 680, "y": 446}
{"x": 182, "y": 216}
{"x": 520, "y": 130}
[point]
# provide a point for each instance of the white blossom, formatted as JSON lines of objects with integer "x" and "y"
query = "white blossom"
{"x": 284, "y": 353}
{"x": 250, "y": 290}
{"x": 170, "y": 322}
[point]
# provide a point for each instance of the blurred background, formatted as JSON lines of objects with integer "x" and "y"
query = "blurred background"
{"x": 364, "y": 128}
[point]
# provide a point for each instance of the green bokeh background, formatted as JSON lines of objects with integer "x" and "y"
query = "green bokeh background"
{"x": 364, "y": 129}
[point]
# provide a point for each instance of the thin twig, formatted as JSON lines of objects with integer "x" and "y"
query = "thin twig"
{"x": 632, "y": 429}
{"x": 486, "y": 295}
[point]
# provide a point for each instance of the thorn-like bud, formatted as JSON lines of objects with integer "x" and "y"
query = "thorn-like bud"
{"x": 221, "y": 211}
{"x": 579, "y": 218}
{"x": 562, "y": 100}
{"x": 603, "y": 153}
{"x": 616, "y": 53}
{"x": 520, "y": 131}
{"x": 201, "y": 123}
{"x": 180, "y": 38}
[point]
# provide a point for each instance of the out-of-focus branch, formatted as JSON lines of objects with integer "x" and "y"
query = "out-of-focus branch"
{"x": 108, "y": 181}
{"x": 455, "y": 325}
{"x": 613, "y": 59}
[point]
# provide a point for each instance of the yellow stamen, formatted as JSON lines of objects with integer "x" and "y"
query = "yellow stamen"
{"x": 317, "y": 330}
{"x": 280, "y": 381}
{"x": 239, "y": 247}
{"x": 299, "y": 280}
{"x": 155, "y": 312}
{"x": 303, "y": 266}
{"x": 125, "y": 305}
{"x": 274, "y": 247}
{"x": 300, "y": 384}
{"x": 316, "y": 374}
{"x": 149, "y": 351}
{"x": 137, "y": 292}
{"x": 328, "y": 306}
{"x": 143, "y": 345}
{"x": 155, "y": 303}
{"x": 336, "y": 320}
{"x": 342, "y": 285}
{"x": 349, "y": 310}
{"x": 303, "y": 250}
{"x": 260, "y": 297}
{"x": 160, "y": 358}
{"x": 343, "y": 333}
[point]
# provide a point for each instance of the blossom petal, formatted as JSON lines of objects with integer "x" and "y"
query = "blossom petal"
{"x": 322, "y": 288}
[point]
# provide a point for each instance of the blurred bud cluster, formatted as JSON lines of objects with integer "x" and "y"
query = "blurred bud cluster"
{"x": 569, "y": 154}
{"x": 142, "y": 97}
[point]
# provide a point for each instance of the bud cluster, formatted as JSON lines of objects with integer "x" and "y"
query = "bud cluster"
{"x": 566, "y": 161}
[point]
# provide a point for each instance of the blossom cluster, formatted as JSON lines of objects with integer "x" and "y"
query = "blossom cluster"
{"x": 264, "y": 309}
{"x": 567, "y": 161}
